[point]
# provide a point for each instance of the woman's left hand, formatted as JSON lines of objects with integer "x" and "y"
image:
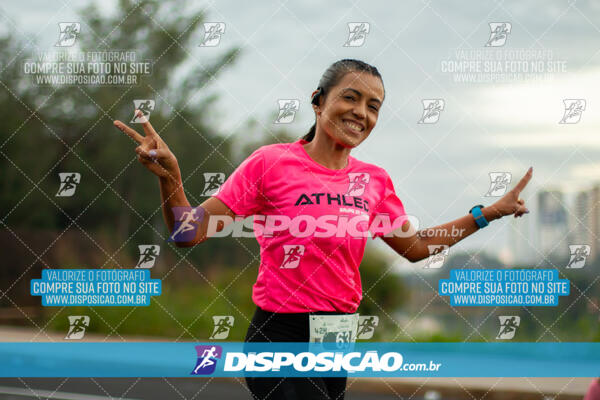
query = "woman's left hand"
{"x": 511, "y": 203}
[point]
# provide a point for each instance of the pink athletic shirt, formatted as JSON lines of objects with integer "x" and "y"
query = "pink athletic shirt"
{"x": 318, "y": 272}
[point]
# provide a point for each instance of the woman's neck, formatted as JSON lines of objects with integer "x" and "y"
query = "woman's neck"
{"x": 327, "y": 152}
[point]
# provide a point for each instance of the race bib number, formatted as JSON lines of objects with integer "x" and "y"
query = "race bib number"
{"x": 339, "y": 329}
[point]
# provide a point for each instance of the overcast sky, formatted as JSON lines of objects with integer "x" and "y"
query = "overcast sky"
{"x": 439, "y": 170}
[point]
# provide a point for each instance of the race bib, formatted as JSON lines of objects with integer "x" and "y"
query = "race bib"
{"x": 339, "y": 329}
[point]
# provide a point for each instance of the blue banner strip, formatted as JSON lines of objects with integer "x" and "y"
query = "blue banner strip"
{"x": 238, "y": 359}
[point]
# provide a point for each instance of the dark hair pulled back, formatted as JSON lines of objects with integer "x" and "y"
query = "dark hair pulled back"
{"x": 331, "y": 77}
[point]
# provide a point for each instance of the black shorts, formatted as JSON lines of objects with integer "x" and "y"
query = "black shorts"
{"x": 289, "y": 327}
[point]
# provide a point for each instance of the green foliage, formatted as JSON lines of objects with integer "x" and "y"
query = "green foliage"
{"x": 183, "y": 311}
{"x": 383, "y": 292}
{"x": 117, "y": 204}
{"x": 47, "y": 130}
{"x": 69, "y": 128}
{"x": 438, "y": 337}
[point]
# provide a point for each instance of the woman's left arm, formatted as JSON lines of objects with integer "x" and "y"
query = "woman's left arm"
{"x": 414, "y": 245}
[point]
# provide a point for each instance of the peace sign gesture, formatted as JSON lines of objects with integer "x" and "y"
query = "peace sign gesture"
{"x": 152, "y": 151}
{"x": 511, "y": 203}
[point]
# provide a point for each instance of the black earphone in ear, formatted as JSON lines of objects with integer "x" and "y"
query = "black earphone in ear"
{"x": 315, "y": 98}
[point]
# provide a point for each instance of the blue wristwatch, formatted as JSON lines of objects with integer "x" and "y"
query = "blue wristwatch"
{"x": 479, "y": 218}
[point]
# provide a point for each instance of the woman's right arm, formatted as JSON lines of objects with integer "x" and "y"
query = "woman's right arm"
{"x": 171, "y": 195}
{"x": 156, "y": 156}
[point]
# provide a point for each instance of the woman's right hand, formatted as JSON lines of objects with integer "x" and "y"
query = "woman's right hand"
{"x": 152, "y": 151}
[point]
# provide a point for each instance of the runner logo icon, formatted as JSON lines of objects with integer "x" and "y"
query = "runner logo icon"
{"x": 357, "y": 33}
{"x": 508, "y": 326}
{"x": 77, "y": 325}
{"x": 223, "y": 324}
{"x": 573, "y": 110}
{"x": 287, "y": 110}
{"x": 148, "y": 254}
{"x": 498, "y": 34}
{"x": 291, "y": 256}
{"x": 366, "y": 326}
{"x": 187, "y": 220}
{"x": 212, "y": 34}
{"x": 68, "y": 183}
{"x": 68, "y": 33}
{"x": 358, "y": 183}
{"x": 146, "y": 107}
{"x": 438, "y": 253}
{"x": 207, "y": 359}
{"x": 212, "y": 183}
{"x": 499, "y": 182}
{"x": 579, "y": 253}
{"x": 432, "y": 108}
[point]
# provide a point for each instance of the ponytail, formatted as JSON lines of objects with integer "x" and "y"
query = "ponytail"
{"x": 315, "y": 101}
{"x": 311, "y": 133}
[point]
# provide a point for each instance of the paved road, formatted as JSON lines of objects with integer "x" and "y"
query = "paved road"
{"x": 202, "y": 388}
{"x": 133, "y": 388}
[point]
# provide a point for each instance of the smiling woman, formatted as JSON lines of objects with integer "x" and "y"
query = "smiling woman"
{"x": 355, "y": 82}
{"x": 308, "y": 288}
